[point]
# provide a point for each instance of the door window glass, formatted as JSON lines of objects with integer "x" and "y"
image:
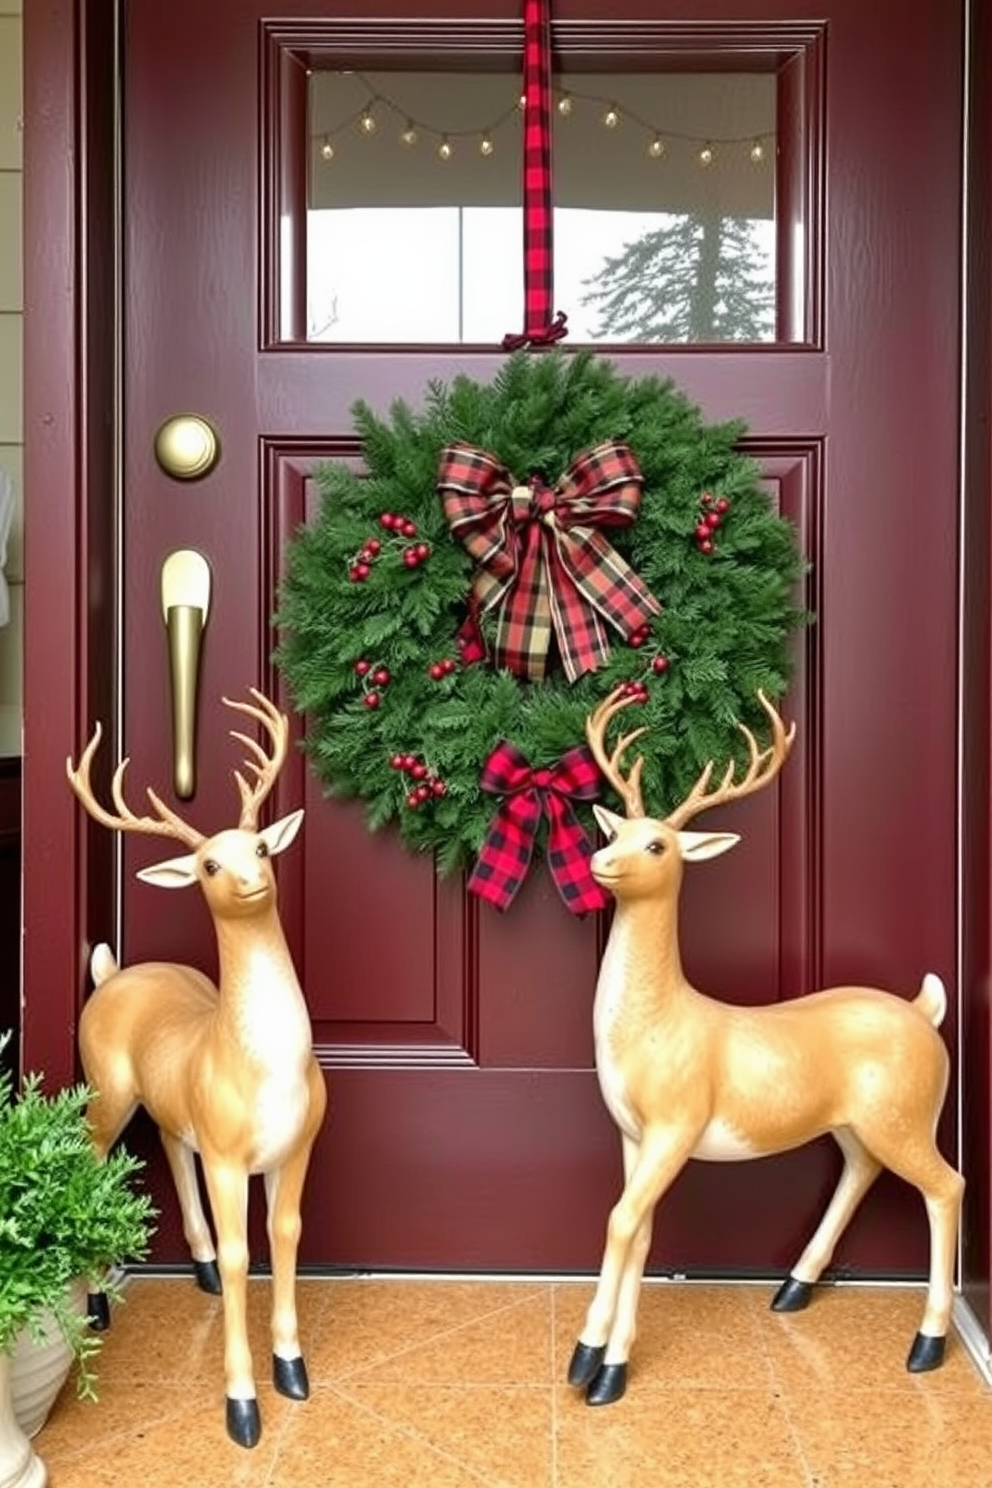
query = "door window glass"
{"x": 664, "y": 207}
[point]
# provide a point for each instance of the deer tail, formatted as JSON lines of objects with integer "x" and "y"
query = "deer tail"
{"x": 102, "y": 963}
{"x": 932, "y": 999}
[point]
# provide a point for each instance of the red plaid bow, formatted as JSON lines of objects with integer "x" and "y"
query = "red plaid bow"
{"x": 541, "y": 558}
{"x": 505, "y": 855}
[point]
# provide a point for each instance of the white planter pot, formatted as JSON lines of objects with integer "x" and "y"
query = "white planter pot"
{"x": 39, "y": 1368}
{"x": 20, "y": 1466}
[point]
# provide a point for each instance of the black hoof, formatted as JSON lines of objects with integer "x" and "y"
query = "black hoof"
{"x": 207, "y": 1277}
{"x": 792, "y": 1295}
{"x": 927, "y": 1353}
{"x": 585, "y": 1363}
{"x": 290, "y": 1377}
{"x": 608, "y": 1385}
{"x": 244, "y": 1424}
{"x": 98, "y": 1311}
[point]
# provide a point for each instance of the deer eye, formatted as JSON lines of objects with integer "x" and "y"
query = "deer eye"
{"x": 210, "y": 867}
{"x": 656, "y": 847}
{"x": 262, "y": 850}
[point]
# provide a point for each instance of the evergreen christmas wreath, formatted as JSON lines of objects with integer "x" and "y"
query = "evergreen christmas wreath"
{"x": 406, "y": 657}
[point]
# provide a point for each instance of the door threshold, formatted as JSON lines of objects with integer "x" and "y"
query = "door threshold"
{"x": 668, "y": 1278}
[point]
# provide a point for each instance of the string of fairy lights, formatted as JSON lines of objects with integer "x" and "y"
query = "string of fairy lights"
{"x": 380, "y": 112}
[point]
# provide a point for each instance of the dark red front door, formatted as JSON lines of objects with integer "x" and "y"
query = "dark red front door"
{"x": 466, "y": 1128}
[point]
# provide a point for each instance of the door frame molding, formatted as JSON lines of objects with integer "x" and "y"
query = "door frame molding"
{"x": 975, "y": 686}
{"x": 71, "y": 399}
{"x": 70, "y": 389}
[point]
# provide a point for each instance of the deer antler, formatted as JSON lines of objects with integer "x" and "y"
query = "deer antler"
{"x": 627, "y": 788}
{"x": 765, "y": 765}
{"x": 266, "y": 767}
{"x": 165, "y": 824}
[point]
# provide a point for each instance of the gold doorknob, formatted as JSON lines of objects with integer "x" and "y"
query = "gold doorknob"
{"x": 186, "y": 446}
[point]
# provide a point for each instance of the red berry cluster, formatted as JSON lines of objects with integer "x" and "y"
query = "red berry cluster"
{"x": 637, "y": 688}
{"x": 439, "y": 669}
{"x": 415, "y": 553}
{"x": 361, "y": 565}
{"x": 426, "y": 784}
{"x": 373, "y": 678}
{"x": 470, "y": 643}
{"x": 713, "y": 510}
{"x": 639, "y": 637}
{"x": 402, "y": 528}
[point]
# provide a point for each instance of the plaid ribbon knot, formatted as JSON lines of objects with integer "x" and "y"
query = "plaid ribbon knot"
{"x": 527, "y": 794}
{"x": 541, "y": 559}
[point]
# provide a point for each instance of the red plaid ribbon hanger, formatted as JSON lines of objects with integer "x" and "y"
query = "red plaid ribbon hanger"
{"x": 541, "y": 326}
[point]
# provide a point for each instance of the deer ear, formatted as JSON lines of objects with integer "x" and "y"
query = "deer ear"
{"x": 175, "y": 873}
{"x": 609, "y": 823}
{"x": 281, "y": 833}
{"x": 697, "y": 846}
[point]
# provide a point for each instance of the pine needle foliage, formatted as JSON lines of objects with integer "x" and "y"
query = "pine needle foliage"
{"x": 726, "y": 626}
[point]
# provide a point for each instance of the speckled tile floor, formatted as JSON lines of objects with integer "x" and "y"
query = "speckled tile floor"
{"x": 459, "y": 1384}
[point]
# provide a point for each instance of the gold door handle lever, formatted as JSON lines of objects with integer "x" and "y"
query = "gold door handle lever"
{"x": 185, "y": 605}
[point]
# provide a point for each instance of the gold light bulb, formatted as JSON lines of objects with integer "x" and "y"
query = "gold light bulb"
{"x": 757, "y": 152}
{"x": 565, "y": 105}
{"x": 444, "y": 149}
{"x": 486, "y": 145}
{"x": 706, "y": 155}
{"x": 367, "y": 122}
{"x": 409, "y": 135}
{"x": 656, "y": 148}
{"x": 327, "y": 150}
{"x": 612, "y": 117}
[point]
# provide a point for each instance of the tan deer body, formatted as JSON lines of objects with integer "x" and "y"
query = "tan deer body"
{"x": 226, "y": 1071}
{"x": 685, "y": 1076}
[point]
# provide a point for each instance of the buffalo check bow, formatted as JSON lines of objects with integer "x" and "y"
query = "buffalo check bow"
{"x": 504, "y": 858}
{"x": 541, "y": 559}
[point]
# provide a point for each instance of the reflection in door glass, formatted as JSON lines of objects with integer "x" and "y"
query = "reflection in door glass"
{"x": 664, "y": 223}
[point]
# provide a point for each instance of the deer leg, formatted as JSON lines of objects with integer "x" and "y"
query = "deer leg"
{"x": 284, "y": 1190}
{"x": 195, "y": 1228}
{"x": 659, "y": 1160}
{"x": 227, "y": 1187}
{"x": 108, "y": 1114}
{"x": 859, "y": 1173}
{"x": 610, "y": 1380}
{"x": 942, "y": 1188}
{"x": 943, "y": 1201}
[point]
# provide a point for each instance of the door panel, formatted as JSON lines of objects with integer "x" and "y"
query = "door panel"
{"x": 466, "y": 1127}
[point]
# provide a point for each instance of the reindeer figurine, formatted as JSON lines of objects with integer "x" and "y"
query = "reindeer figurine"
{"x": 684, "y": 1076}
{"x": 227, "y": 1071}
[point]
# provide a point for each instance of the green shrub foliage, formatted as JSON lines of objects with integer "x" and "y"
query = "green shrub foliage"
{"x": 64, "y": 1214}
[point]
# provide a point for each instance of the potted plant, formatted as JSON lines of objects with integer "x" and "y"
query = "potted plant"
{"x": 65, "y": 1217}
